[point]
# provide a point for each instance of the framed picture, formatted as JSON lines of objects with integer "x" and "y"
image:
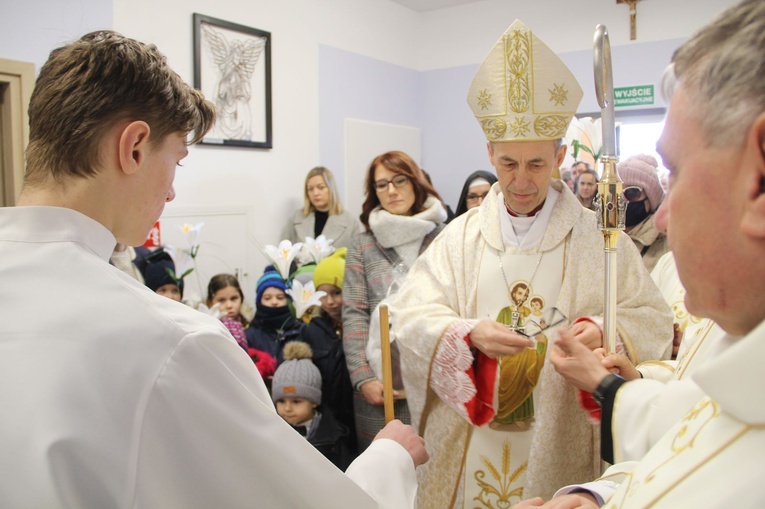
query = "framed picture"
{"x": 232, "y": 67}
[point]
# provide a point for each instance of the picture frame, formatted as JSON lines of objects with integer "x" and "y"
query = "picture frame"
{"x": 232, "y": 68}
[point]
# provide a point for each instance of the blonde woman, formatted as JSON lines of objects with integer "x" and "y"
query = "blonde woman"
{"x": 322, "y": 212}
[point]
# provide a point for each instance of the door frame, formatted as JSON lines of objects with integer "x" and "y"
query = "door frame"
{"x": 16, "y": 84}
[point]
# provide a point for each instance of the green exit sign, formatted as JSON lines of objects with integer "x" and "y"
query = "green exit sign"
{"x": 634, "y": 96}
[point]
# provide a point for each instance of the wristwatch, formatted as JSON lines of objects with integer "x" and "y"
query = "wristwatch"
{"x": 605, "y": 386}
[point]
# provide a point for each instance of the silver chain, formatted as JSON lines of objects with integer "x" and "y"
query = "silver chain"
{"x": 504, "y": 276}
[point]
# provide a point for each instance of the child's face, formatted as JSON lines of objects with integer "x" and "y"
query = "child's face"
{"x": 332, "y": 303}
{"x": 229, "y": 301}
{"x": 536, "y": 306}
{"x": 273, "y": 298}
{"x": 295, "y": 410}
{"x": 170, "y": 291}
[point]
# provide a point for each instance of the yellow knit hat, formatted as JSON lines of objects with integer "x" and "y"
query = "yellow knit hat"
{"x": 331, "y": 270}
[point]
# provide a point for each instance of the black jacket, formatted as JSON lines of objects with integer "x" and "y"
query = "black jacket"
{"x": 331, "y": 438}
{"x": 328, "y": 356}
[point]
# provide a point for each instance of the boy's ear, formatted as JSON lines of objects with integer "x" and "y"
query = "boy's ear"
{"x": 132, "y": 146}
{"x": 753, "y": 222}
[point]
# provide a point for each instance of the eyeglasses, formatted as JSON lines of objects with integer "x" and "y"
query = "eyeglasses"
{"x": 471, "y": 197}
{"x": 632, "y": 193}
{"x": 398, "y": 181}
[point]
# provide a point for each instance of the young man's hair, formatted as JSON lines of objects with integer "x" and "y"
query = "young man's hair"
{"x": 722, "y": 68}
{"x": 89, "y": 85}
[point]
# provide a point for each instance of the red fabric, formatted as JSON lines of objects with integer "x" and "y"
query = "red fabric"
{"x": 587, "y": 402}
{"x": 480, "y": 408}
{"x": 264, "y": 361}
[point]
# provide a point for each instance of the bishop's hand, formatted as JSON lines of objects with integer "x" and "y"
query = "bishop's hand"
{"x": 495, "y": 339}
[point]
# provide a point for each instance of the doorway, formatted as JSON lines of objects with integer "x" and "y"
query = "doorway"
{"x": 16, "y": 83}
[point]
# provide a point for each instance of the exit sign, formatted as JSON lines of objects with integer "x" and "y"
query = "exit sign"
{"x": 634, "y": 96}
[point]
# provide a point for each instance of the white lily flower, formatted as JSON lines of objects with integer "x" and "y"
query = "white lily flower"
{"x": 304, "y": 297}
{"x": 315, "y": 250}
{"x": 191, "y": 233}
{"x": 282, "y": 255}
{"x": 594, "y": 132}
{"x": 182, "y": 259}
{"x": 214, "y": 311}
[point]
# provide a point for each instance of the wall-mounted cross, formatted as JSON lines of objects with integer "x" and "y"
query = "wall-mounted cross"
{"x": 633, "y": 16}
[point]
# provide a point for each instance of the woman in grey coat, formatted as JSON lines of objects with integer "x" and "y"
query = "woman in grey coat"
{"x": 322, "y": 212}
{"x": 402, "y": 214}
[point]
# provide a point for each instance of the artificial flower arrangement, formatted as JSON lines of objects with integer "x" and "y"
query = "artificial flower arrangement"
{"x": 585, "y": 134}
{"x": 304, "y": 255}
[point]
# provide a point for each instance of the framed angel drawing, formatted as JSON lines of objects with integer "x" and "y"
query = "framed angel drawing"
{"x": 232, "y": 67}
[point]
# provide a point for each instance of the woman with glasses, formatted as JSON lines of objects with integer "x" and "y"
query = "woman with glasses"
{"x": 474, "y": 191}
{"x": 402, "y": 214}
{"x": 322, "y": 212}
{"x": 644, "y": 194}
{"x": 586, "y": 188}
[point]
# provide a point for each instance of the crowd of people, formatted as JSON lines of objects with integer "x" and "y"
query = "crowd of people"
{"x": 118, "y": 395}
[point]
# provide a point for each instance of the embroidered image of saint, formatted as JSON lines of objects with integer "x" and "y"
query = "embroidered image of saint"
{"x": 519, "y": 373}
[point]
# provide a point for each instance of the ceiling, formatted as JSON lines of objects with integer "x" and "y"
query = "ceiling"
{"x": 431, "y": 5}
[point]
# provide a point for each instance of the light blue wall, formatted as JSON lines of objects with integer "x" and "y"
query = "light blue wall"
{"x": 452, "y": 144}
{"x": 355, "y": 86}
{"x": 352, "y": 86}
{"x": 30, "y": 29}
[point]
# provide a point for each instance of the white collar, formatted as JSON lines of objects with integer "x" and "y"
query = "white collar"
{"x": 57, "y": 224}
{"x": 527, "y": 231}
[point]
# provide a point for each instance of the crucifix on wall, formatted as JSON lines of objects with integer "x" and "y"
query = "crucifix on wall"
{"x": 633, "y": 16}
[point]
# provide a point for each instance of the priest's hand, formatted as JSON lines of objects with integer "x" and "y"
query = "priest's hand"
{"x": 406, "y": 436}
{"x": 373, "y": 392}
{"x": 495, "y": 339}
{"x": 588, "y": 334}
{"x": 575, "y": 362}
{"x": 621, "y": 365}
{"x": 574, "y": 501}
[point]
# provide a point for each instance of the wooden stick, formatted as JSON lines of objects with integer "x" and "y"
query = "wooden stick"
{"x": 386, "y": 364}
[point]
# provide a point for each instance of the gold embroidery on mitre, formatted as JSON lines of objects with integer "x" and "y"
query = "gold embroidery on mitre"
{"x": 551, "y": 126}
{"x": 484, "y": 99}
{"x": 495, "y": 492}
{"x": 494, "y": 128}
{"x": 522, "y": 77}
{"x": 518, "y": 54}
{"x": 519, "y": 127}
{"x": 558, "y": 94}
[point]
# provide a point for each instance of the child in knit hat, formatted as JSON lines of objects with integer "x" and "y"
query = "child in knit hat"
{"x": 296, "y": 391}
{"x": 159, "y": 275}
{"x": 325, "y": 335}
{"x": 644, "y": 194}
{"x": 273, "y": 324}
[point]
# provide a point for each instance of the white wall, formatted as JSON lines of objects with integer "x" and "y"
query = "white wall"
{"x": 464, "y": 34}
{"x": 268, "y": 183}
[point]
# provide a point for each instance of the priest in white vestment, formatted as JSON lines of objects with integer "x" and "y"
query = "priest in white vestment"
{"x": 713, "y": 143}
{"x": 499, "y": 423}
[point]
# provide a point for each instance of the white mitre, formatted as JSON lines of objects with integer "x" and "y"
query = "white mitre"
{"x": 522, "y": 90}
